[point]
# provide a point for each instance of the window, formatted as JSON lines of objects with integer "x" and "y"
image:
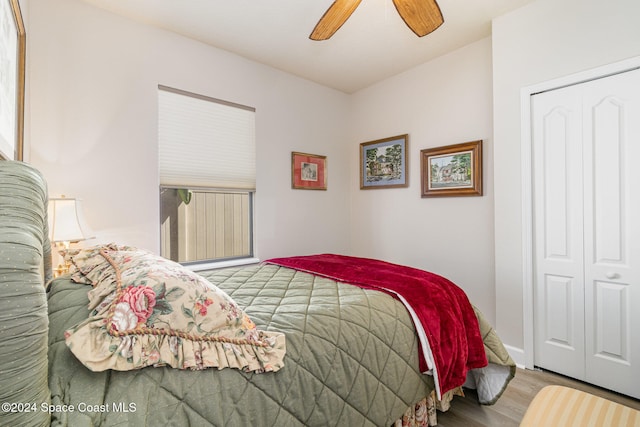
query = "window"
{"x": 207, "y": 177}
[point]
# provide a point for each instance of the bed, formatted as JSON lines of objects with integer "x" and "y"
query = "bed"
{"x": 353, "y": 356}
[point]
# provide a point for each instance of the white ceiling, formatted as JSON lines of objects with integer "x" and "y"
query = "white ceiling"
{"x": 372, "y": 45}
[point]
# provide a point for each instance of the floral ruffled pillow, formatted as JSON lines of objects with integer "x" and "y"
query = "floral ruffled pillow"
{"x": 85, "y": 263}
{"x": 149, "y": 311}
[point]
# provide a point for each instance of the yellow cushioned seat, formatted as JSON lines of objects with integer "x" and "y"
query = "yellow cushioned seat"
{"x": 558, "y": 406}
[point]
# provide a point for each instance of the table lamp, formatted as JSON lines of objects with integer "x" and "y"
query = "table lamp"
{"x": 65, "y": 226}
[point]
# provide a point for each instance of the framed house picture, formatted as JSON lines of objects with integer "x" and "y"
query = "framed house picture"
{"x": 308, "y": 171}
{"x": 12, "y": 81}
{"x": 453, "y": 170}
{"x": 383, "y": 163}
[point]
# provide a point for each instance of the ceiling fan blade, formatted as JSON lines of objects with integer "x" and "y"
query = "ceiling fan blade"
{"x": 333, "y": 18}
{"x": 422, "y": 16}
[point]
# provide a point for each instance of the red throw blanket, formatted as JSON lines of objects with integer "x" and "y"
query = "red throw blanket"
{"x": 438, "y": 307}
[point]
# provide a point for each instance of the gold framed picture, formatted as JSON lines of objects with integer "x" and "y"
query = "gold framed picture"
{"x": 452, "y": 170}
{"x": 12, "y": 83}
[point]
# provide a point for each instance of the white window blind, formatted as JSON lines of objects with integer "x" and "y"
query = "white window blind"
{"x": 205, "y": 142}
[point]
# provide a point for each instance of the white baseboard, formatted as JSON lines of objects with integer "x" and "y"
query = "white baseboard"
{"x": 517, "y": 354}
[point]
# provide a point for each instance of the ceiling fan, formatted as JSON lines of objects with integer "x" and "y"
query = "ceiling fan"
{"x": 422, "y": 16}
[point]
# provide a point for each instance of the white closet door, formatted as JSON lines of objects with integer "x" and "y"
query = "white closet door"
{"x": 611, "y": 123}
{"x": 559, "y": 269}
{"x": 586, "y": 150}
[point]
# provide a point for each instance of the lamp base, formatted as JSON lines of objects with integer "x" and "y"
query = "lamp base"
{"x": 60, "y": 270}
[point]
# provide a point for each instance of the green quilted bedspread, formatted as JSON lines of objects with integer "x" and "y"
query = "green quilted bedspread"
{"x": 352, "y": 358}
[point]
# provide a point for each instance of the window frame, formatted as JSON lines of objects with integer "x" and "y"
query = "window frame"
{"x": 221, "y": 262}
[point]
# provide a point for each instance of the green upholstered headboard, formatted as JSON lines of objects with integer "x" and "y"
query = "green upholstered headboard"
{"x": 25, "y": 265}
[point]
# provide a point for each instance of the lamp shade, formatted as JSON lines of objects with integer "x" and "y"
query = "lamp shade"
{"x": 64, "y": 220}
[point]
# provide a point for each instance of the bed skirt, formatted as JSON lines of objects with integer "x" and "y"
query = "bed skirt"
{"x": 423, "y": 413}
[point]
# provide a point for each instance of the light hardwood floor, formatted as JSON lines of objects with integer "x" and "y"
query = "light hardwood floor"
{"x": 510, "y": 408}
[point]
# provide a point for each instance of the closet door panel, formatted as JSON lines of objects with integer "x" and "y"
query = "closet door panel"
{"x": 607, "y": 175}
{"x": 611, "y": 124}
{"x": 612, "y": 314}
{"x": 559, "y": 290}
